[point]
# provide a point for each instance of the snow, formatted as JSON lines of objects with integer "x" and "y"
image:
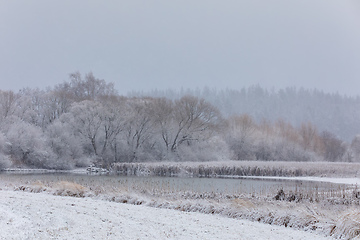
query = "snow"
{"x": 26, "y": 215}
{"x": 349, "y": 181}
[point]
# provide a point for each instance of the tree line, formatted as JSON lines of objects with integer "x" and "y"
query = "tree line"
{"x": 85, "y": 121}
{"x": 339, "y": 114}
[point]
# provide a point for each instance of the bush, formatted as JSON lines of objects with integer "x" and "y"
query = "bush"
{"x": 65, "y": 188}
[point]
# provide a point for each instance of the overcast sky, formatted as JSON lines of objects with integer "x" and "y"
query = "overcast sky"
{"x": 160, "y": 44}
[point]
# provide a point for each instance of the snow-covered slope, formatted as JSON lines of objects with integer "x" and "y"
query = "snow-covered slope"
{"x": 43, "y": 216}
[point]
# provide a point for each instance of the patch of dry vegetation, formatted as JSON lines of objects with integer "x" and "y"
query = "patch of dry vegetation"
{"x": 65, "y": 188}
{"x": 62, "y": 188}
{"x": 348, "y": 225}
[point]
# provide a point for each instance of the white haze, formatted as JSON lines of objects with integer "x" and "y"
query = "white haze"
{"x": 142, "y": 45}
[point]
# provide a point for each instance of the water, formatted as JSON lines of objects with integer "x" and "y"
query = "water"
{"x": 255, "y": 187}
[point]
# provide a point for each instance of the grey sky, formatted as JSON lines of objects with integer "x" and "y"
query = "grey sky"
{"x": 143, "y": 45}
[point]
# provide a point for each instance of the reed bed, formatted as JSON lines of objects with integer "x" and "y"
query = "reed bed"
{"x": 239, "y": 168}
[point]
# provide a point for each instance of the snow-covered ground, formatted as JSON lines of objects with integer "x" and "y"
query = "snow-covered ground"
{"x": 43, "y": 216}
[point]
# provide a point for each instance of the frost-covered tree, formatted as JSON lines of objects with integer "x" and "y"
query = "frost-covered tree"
{"x": 27, "y": 144}
{"x": 240, "y": 133}
{"x": 97, "y": 127}
{"x": 326, "y": 111}
{"x": 333, "y": 147}
{"x": 115, "y": 116}
{"x": 85, "y": 119}
{"x": 32, "y": 107}
{"x": 194, "y": 120}
{"x": 4, "y": 149}
{"x": 188, "y": 128}
{"x": 8, "y": 102}
{"x": 138, "y": 133}
{"x": 164, "y": 119}
{"x": 65, "y": 145}
{"x": 80, "y": 89}
{"x": 355, "y": 147}
{"x": 309, "y": 136}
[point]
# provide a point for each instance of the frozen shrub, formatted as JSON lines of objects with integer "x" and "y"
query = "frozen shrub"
{"x": 280, "y": 195}
{"x": 28, "y": 144}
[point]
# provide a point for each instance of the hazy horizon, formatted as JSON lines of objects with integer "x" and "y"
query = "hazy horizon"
{"x": 142, "y": 46}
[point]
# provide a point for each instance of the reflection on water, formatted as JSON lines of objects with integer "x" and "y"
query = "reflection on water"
{"x": 257, "y": 187}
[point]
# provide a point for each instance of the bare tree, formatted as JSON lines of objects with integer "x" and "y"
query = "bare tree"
{"x": 240, "y": 136}
{"x": 139, "y": 128}
{"x": 194, "y": 120}
{"x": 115, "y": 117}
{"x": 355, "y": 147}
{"x": 333, "y": 148}
{"x": 86, "y": 120}
{"x": 308, "y": 133}
{"x": 90, "y": 88}
{"x": 164, "y": 118}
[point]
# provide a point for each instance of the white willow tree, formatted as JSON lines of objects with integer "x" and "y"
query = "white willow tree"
{"x": 97, "y": 126}
{"x": 66, "y": 145}
{"x": 164, "y": 119}
{"x": 85, "y": 119}
{"x": 185, "y": 126}
{"x": 194, "y": 120}
{"x": 114, "y": 118}
{"x": 138, "y": 130}
{"x": 27, "y": 144}
{"x": 240, "y": 136}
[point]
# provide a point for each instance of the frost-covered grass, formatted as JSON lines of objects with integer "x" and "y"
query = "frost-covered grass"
{"x": 347, "y": 226}
{"x": 240, "y": 168}
{"x": 330, "y": 215}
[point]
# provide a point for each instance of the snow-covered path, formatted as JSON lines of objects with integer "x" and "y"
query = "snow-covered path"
{"x": 43, "y": 216}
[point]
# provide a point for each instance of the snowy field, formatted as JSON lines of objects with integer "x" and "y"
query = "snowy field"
{"x": 43, "y": 216}
{"x": 66, "y": 206}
